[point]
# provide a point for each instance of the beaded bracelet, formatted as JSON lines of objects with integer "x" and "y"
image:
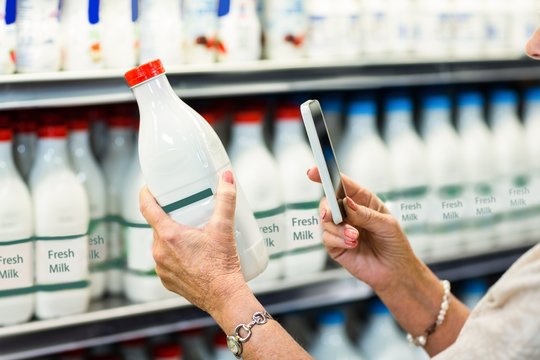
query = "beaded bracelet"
{"x": 422, "y": 339}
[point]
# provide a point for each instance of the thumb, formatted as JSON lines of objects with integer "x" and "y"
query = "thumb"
{"x": 223, "y": 215}
{"x": 364, "y": 217}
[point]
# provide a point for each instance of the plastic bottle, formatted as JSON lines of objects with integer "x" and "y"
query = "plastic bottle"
{"x": 161, "y": 31}
{"x": 16, "y": 248}
{"x": 468, "y": 29}
{"x": 401, "y": 28}
{"x": 333, "y": 109}
{"x": 141, "y": 283}
{"x": 25, "y": 144}
{"x": 239, "y": 31}
{"x": 321, "y": 40}
{"x": 376, "y": 23}
{"x": 332, "y": 341}
{"x": 221, "y": 351}
{"x": 497, "y": 27}
{"x": 433, "y": 35}
{"x": 115, "y": 165}
{"x": 532, "y": 129}
{"x": 305, "y": 253}
{"x": 480, "y": 171}
{"x": 348, "y": 29}
{"x": 182, "y": 171}
{"x": 98, "y": 132}
{"x": 410, "y": 176}
{"x": 257, "y": 172}
{"x": 513, "y": 166}
{"x": 200, "y": 29}
{"x": 91, "y": 177}
{"x": 285, "y": 29}
{"x": 364, "y": 151}
{"x": 472, "y": 291}
{"x": 7, "y": 37}
{"x": 80, "y": 35}
{"x": 167, "y": 352}
{"x": 61, "y": 218}
{"x": 118, "y": 41}
{"x": 38, "y": 36}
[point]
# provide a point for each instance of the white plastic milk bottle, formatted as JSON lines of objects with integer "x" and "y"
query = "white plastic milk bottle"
{"x": 160, "y": 27}
{"x": 61, "y": 218}
{"x": 141, "y": 283}
{"x": 468, "y": 29}
{"x": 497, "y": 27}
{"x": 480, "y": 171}
{"x": 239, "y": 31}
{"x": 376, "y": 17}
{"x": 433, "y": 34}
{"x": 118, "y": 33}
{"x": 257, "y": 172}
{"x": 115, "y": 165}
{"x": 200, "y": 30}
{"x": 182, "y": 159}
{"x": 16, "y": 248}
{"x": 532, "y": 129}
{"x": 321, "y": 38}
{"x": 91, "y": 177}
{"x": 410, "y": 176}
{"x": 513, "y": 166}
{"x": 305, "y": 252}
{"x": 7, "y": 38}
{"x": 24, "y": 145}
{"x": 332, "y": 341}
{"x": 447, "y": 211}
{"x": 80, "y": 35}
{"x": 285, "y": 29}
{"x": 38, "y": 36}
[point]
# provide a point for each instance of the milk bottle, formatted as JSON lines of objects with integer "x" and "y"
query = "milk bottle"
{"x": 7, "y": 38}
{"x": 118, "y": 29}
{"x": 333, "y": 108}
{"x": 434, "y": 28}
{"x": 115, "y": 166}
{"x": 376, "y": 23}
{"x": 25, "y": 144}
{"x": 532, "y": 129}
{"x": 257, "y": 172}
{"x": 61, "y": 218}
{"x": 98, "y": 132}
{"x": 89, "y": 174}
{"x": 448, "y": 204}
{"x": 305, "y": 252}
{"x": 285, "y": 29}
{"x": 468, "y": 29}
{"x": 409, "y": 169}
{"x": 480, "y": 171}
{"x": 321, "y": 39}
{"x": 200, "y": 28}
{"x": 16, "y": 248}
{"x": 332, "y": 341}
{"x": 182, "y": 158}
{"x": 239, "y": 31}
{"x": 497, "y": 28}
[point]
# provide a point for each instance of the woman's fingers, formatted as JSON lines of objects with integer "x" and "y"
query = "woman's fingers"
{"x": 366, "y": 218}
{"x": 223, "y": 216}
{"x": 313, "y": 174}
{"x": 160, "y": 221}
{"x": 344, "y": 238}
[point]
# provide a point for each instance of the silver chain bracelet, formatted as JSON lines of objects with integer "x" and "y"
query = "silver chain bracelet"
{"x": 235, "y": 341}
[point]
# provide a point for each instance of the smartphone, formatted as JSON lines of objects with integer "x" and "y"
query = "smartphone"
{"x": 325, "y": 158}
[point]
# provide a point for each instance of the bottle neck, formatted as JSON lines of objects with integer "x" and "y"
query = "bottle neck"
{"x": 53, "y": 152}
{"x": 362, "y": 125}
{"x": 75, "y": 8}
{"x": 397, "y": 124}
{"x": 79, "y": 143}
{"x": 503, "y": 113}
{"x": 115, "y": 6}
{"x": 289, "y": 131}
{"x": 328, "y": 330}
{"x": 247, "y": 134}
{"x": 532, "y": 111}
{"x": 469, "y": 117}
{"x": 6, "y": 157}
{"x": 120, "y": 138}
{"x": 155, "y": 90}
{"x": 436, "y": 120}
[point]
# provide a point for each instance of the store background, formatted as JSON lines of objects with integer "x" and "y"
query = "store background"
{"x": 61, "y": 66}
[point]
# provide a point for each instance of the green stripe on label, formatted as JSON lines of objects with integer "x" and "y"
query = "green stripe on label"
{"x": 268, "y": 213}
{"x": 17, "y": 292}
{"x": 99, "y": 267}
{"x": 415, "y": 229}
{"x": 188, "y": 201}
{"x": 277, "y": 255}
{"x": 413, "y": 192}
{"x": 135, "y": 225}
{"x": 94, "y": 223}
{"x": 450, "y": 191}
{"x": 15, "y": 242}
{"x": 65, "y": 286}
{"x": 116, "y": 263}
{"x": 303, "y": 205}
{"x": 142, "y": 273}
{"x": 57, "y": 238}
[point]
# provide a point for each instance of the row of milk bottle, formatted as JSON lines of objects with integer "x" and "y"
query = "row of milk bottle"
{"x": 454, "y": 192}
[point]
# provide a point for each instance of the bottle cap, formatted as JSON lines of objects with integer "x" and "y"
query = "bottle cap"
{"x": 52, "y": 131}
{"x": 96, "y": 114}
{"x": 25, "y": 126}
{"x": 533, "y": 94}
{"x": 5, "y": 120}
{"x": 331, "y": 103}
{"x": 220, "y": 340}
{"x": 168, "y": 351}
{"x": 123, "y": 122}
{"x": 363, "y": 105}
{"x": 5, "y": 134}
{"x": 252, "y": 116}
{"x": 79, "y": 123}
{"x": 209, "y": 116}
{"x": 377, "y": 307}
{"x": 470, "y": 98}
{"x": 144, "y": 72}
{"x": 288, "y": 113}
{"x": 398, "y": 104}
{"x": 475, "y": 286}
{"x": 504, "y": 96}
{"x": 436, "y": 102}
{"x": 51, "y": 118}
{"x": 332, "y": 317}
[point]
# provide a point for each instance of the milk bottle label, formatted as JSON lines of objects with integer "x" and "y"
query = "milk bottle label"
{"x": 411, "y": 209}
{"x": 448, "y": 212}
{"x": 16, "y": 264}
{"x": 97, "y": 240}
{"x": 63, "y": 261}
{"x": 7, "y": 38}
{"x": 519, "y": 194}
{"x": 485, "y": 206}
{"x": 139, "y": 239}
{"x": 320, "y": 35}
{"x": 272, "y": 227}
{"x": 286, "y": 25}
{"x": 304, "y": 232}
{"x": 200, "y": 25}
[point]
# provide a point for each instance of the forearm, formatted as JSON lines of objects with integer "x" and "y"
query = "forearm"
{"x": 415, "y": 302}
{"x": 268, "y": 341}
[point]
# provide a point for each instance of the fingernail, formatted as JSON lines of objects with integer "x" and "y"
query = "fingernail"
{"x": 351, "y": 204}
{"x": 228, "y": 177}
{"x": 351, "y": 233}
{"x": 323, "y": 214}
{"x": 307, "y": 172}
{"x": 351, "y": 243}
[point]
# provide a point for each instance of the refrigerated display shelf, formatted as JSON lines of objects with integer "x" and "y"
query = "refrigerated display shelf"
{"x": 256, "y": 78}
{"x": 113, "y": 320}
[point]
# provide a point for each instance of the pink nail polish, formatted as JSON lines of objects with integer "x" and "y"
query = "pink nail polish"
{"x": 351, "y": 204}
{"x": 351, "y": 234}
{"x": 323, "y": 214}
{"x": 351, "y": 243}
{"x": 228, "y": 177}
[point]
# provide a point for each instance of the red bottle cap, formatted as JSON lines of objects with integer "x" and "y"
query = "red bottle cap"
{"x": 209, "y": 116}
{"x": 252, "y": 116}
{"x": 220, "y": 340}
{"x": 288, "y": 113}
{"x": 123, "y": 122}
{"x": 79, "y": 124}
{"x": 6, "y": 134}
{"x": 144, "y": 72}
{"x": 52, "y": 131}
{"x": 25, "y": 126}
{"x": 172, "y": 351}
{"x": 5, "y": 120}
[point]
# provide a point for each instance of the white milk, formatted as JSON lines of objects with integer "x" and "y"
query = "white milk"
{"x": 321, "y": 40}
{"x": 91, "y": 177}
{"x": 257, "y": 172}
{"x": 410, "y": 176}
{"x": 200, "y": 30}
{"x": 365, "y": 157}
{"x": 115, "y": 165}
{"x": 160, "y": 25}
{"x": 239, "y": 31}
{"x": 80, "y": 36}
{"x": 532, "y": 129}
{"x": 448, "y": 205}
{"x": 61, "y": 218}
{"x": 332, "y": 341}
{"x": 141, "y": 283}
{"x": 513, "y": 165}
{"x": 497, "y": 27}
{"x": 38, "y": 36}
{"x": 285, "y": 29}
{"x": 118, "y": 34}
{"x": 7, "y": 39}
{"x": 480, "y": 171}
{"x": 24, "y": 146}
{"x": 16, "y": 248}
{"x": 305, "y": 252}
{"x": 182, "y": 159}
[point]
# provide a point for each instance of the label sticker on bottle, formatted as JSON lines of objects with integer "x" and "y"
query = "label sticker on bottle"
{"x": 449, "y": 209}
{"x": 97, "y": 240}
{"x": 485, "y": 206}
{"x": 303, "y": 223}
{"x": 272, "y": 227}
{"x": 139, "y": 239}
{"x": 16, "y": 267}
{"x": 410, "y": 208}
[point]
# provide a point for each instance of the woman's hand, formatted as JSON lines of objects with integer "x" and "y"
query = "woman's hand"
{"x": 370, "y": 243}
{"x": 199, "y": 264}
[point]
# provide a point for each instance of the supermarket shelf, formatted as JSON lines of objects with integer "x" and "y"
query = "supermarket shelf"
{"x": 262, "y": 77}
{"x": 115, "y": 320}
